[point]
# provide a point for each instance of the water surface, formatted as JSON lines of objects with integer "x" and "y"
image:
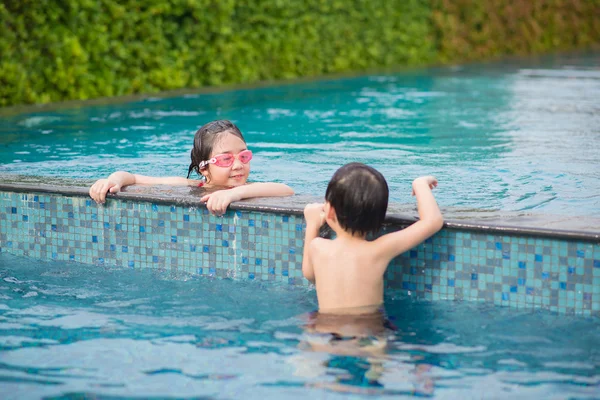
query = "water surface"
{"x": 68, "y": 330}
{"x": 520, "y": 136}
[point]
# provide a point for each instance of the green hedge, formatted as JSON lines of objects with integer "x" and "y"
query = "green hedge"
{"x": 483, "y": 29}
{"x": 60, "y": 50}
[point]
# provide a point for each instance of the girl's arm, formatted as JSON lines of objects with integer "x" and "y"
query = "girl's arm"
{"x": 430, "y": 221}
{"x": 267, "y": 189}
{"x": 217, "y": 202}
{"x": 116, "y": 181}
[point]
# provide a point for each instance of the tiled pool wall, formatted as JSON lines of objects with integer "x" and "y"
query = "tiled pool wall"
{"x": 506, "y": 269}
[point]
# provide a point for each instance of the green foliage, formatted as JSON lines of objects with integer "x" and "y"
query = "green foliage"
{"x": 484, "y": 29}
{"x": 54, "y": 51}
{"x": 59, "y": 50}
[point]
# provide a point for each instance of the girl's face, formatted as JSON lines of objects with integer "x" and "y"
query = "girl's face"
{"x": 234, "y": 175}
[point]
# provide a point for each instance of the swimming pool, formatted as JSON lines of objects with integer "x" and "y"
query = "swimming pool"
{"x": 70, "y": 330}
{"x": 520, "y": 136}
{"x": 149, "y": 295}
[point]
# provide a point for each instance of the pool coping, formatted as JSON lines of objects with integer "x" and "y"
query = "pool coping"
{"x": 295, "y": 205}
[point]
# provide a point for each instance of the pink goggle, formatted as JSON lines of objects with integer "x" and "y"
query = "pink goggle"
{"x": 227, "y": 159}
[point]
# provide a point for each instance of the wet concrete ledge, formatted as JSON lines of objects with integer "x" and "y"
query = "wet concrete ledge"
{"x": 486, "y": 221}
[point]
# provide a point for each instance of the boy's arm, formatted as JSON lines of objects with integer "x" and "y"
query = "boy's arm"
{"x": 117, "y": 180}
{"x": 307, "y": 266}
{"x": 430, "y": 221}
{"x": 315, "y": 217}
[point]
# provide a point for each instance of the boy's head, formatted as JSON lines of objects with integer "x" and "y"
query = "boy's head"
{"x": 359, "y": 196}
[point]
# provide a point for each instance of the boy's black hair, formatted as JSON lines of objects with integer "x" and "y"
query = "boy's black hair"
{"x": 205, "y": 139}
{"x": 359, "y": 195}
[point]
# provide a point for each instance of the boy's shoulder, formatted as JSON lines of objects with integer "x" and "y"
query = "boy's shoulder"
{"x": 319, "y": 243}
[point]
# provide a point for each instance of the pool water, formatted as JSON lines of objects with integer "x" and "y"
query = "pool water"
{"x": 521, "y": 135}
{"x": 70, "y": 331}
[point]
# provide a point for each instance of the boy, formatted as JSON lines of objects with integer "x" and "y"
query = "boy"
{"x": 348, "y": 271}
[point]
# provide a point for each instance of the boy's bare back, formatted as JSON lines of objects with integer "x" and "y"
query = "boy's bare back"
{"x": 349, "y": 275}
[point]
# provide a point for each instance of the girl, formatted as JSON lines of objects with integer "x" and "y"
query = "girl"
{"x": 221, "y": 157}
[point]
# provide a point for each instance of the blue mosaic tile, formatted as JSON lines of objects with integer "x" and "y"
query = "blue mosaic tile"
{"x": 508, "y": 270}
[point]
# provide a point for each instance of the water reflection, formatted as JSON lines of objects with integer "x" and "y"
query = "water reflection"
{"x": 350, "y": 353}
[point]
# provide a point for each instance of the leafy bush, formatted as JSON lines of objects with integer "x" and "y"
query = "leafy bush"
{"x": 53, "y": 51}
{"x": 484, "y": 29}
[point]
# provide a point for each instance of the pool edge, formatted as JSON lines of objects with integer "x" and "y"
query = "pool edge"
{"x": 285, "y": 208}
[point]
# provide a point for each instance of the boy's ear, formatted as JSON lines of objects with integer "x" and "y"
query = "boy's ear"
{"x": 329, "y": 212}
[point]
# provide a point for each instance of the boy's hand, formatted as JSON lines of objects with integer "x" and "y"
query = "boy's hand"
{"x": 431, "y": 181}
{"x": 102, "y": 186}
{"x": 217, "y": 202}
{"x": 314, "y": 214}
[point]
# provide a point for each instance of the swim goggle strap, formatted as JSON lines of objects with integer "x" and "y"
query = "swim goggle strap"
{"x": 227, "y": 159}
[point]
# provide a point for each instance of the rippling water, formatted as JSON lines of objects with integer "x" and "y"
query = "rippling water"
{"x": 67, "y": 330}
{"x": 513, "y": 136}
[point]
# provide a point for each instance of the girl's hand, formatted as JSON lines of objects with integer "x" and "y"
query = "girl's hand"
{"x": 101, "y": 187}
{"x": 314, "y": 214}
{"x": 217, "y": 202}
{"x": 431, "y": 181}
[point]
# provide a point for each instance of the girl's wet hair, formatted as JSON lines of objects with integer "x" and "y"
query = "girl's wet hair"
{"x": 359, "y": 195}
{"x": 205, "y": 140}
